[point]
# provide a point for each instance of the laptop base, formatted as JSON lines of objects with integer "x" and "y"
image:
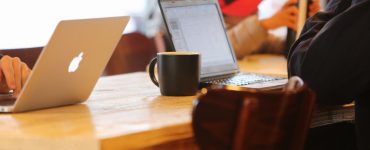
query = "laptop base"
{"x": 248, "y": 80}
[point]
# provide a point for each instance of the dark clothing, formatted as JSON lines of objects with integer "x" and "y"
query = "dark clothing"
{"x": 333, "y": 57}
{"x": 332, "y": 54}
{"x": 363, "y": 123}
{"x": 340, "y": 136}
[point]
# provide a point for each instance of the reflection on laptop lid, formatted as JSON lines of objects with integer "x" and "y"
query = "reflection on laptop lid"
{"x": 199, "y": 27}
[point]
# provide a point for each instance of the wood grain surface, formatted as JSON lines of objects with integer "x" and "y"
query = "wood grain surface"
{"x": 123, "y": 112}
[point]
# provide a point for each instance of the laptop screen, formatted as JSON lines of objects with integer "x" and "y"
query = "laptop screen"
{"x": 200, "y": 28}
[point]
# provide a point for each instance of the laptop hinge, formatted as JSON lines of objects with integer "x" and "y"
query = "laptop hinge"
{"x": 213, "y": 78}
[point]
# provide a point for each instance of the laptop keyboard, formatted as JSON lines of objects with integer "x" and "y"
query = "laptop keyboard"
{"x": 244, "y": 79}
{"x": 7, "y": 100}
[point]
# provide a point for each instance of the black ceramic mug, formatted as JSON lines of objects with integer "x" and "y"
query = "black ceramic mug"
{"x": 178, "y": 73}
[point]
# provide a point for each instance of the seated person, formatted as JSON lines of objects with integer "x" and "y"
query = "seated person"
{"x": 14, "y": 74}
{"x": 332, "y": 57}
{"x": 250, "y": 35}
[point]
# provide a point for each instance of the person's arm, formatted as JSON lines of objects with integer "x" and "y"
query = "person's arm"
{"x": 310, "y": 30}
{"x": 273, "y": 45}
{"x": 285, "y": 17}
{"x": 330, "y": 54}
{"x": 247, "y": 36}
{"x": 251, "y": 35}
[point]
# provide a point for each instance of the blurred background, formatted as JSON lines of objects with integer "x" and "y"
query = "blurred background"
{"x": 26, "y": 26}
{"x": 27, "y": 23}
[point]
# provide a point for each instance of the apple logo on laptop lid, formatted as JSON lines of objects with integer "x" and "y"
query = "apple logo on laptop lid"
{"x": 73, "y": 66}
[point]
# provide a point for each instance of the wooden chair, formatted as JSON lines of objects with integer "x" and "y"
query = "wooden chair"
{"x": 27, "y": 55}
{"x": 133, "y": 53}
{"x": 237, "y": 118}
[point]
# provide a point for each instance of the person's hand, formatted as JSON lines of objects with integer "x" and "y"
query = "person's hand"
{"x": 286, "y": 16}
{"x": 314, "y": 7}
{"x": 13, "y": 74}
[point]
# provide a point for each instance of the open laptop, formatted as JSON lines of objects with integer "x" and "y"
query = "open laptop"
{"x": 70, "y": 65}
{"x": 198, "y": 26}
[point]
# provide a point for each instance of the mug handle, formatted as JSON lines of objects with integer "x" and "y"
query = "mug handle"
{"x": 152, "y": 64}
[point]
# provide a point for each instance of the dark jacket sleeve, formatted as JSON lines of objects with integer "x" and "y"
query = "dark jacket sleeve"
{"x": 333, "y": 53}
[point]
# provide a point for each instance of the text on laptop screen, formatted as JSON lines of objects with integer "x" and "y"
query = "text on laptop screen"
{"x": 199, "y": 28}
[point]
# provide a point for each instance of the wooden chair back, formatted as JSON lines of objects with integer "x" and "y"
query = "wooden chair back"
{"x": 237, "y": 118}
{"x": 132, "y": 54}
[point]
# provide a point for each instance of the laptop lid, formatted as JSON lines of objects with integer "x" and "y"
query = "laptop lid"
{"x": 71, "y": 63}
{"x": 198, "y": 26}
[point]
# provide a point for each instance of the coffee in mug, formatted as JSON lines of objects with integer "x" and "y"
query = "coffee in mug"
{"x": 178, "y": 73}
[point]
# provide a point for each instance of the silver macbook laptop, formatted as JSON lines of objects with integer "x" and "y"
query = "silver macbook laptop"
{"x": 197, "y": 26}
{"x": 70, "y": 64}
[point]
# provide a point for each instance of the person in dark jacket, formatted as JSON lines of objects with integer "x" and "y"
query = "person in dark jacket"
{"x": 332, "y": 56}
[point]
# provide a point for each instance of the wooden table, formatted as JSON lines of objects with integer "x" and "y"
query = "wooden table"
{"x": 124, "y": 112}
{"x": 265, "y": 64}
